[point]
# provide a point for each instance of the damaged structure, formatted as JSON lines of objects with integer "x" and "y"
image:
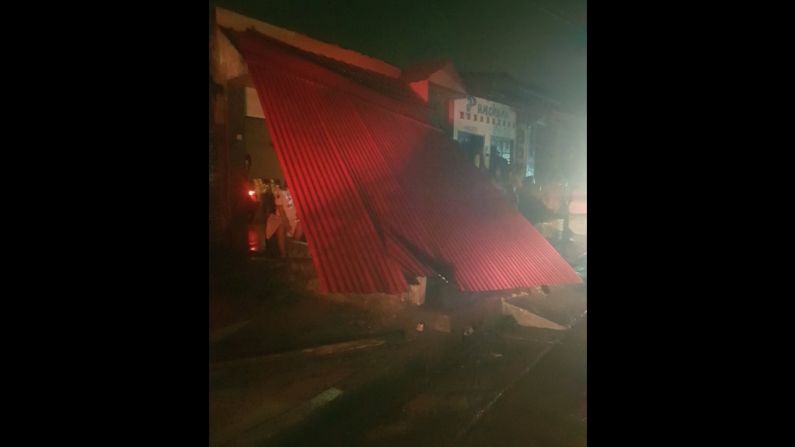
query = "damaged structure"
{"x": 383, "y": 194}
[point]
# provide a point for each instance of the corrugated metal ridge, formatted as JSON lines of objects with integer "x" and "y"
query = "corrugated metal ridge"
{"x": 344, "y": 244}
{"x": 238, "y": 22}
{"x": 460, "y": 252}
{"x": 381, "y": 194}
{"x": 264, "y": 46}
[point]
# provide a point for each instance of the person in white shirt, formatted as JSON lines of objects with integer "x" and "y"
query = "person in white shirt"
{"x": 290, "y": 224}
{"x": 286, "y": 207}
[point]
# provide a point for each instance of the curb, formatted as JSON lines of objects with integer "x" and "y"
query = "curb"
{"x": 262, "y": 433}
{"x": 220, "y": 334}
{"x": 485, "y": 409}
{"x": 327, "y": 349}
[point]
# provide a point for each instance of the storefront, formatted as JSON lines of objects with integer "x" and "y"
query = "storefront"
{"x": 343, "y": 135}
{"x": 486, "y": 130}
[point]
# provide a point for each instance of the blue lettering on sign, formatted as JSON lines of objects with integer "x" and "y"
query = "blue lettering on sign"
{"x": 486, "y": 109}
{"x": 492, "y": 110}
{"x": 471, "y": 101}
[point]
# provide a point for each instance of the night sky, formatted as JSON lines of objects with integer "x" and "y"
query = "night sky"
{"x": 542, "y": 42}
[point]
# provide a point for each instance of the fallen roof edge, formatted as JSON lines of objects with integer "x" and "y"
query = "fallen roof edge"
{"x": 238, "y": 22}
{"x": 233, "y": 34}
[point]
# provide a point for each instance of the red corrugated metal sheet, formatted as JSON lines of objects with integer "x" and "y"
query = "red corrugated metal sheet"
{"x": 380, "y": 191}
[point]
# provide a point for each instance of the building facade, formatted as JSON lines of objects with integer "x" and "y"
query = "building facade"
{"x": 493, "y": 123}
{"x": 487, "y": 130}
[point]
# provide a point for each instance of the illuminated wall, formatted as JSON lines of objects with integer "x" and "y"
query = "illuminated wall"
{"x": 489, "y": 119}
{"x": 257, "y": 140}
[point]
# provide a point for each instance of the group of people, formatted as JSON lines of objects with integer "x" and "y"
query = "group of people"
{"x": 273, "y": 213}
{"x": 275, "y": 210}
{"x": 544, "y": 205}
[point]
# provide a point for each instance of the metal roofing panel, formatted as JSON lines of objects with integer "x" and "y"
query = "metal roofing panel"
{"x": 381, "y": 192}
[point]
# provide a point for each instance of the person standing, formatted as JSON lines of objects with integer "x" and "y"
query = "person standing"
{"x": 272, "y": 221}
{"x": 531, "y": 206}
{"x": 284, "y": 202}
{"x": 281, "y": 230}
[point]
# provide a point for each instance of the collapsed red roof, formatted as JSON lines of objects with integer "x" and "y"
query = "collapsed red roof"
{"x": 381, "y": 193}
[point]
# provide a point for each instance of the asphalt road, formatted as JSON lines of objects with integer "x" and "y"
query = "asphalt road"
{"x": 547, "y": 407}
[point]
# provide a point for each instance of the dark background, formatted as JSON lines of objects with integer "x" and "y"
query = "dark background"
{"x": 107, "y": 327}
{"x": 542, "y": 42}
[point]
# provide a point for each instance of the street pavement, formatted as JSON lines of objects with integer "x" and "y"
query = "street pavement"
{"x": 289, "y": 368}
{"x": 547, "y": 407}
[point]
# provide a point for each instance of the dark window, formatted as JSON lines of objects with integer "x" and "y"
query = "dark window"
{"x": 502, "y": 148}
{"x": 462, "y": 115}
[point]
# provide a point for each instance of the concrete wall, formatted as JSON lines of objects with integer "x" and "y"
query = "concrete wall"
{"x": 471, "y": 123}
{"x": 449, "y": 79}
{"x": 257, "y": 140}
{"x": 259, "y": 146}
{"x": 226, "y": 63}
{"x": 253, "y": 106}
{"x": 440, "y": 101}
{"x": 238, "y": 22}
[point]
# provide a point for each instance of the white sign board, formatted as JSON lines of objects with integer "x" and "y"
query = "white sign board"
{"x": 484, "y": 117}
{"x": 253, "y": 107}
